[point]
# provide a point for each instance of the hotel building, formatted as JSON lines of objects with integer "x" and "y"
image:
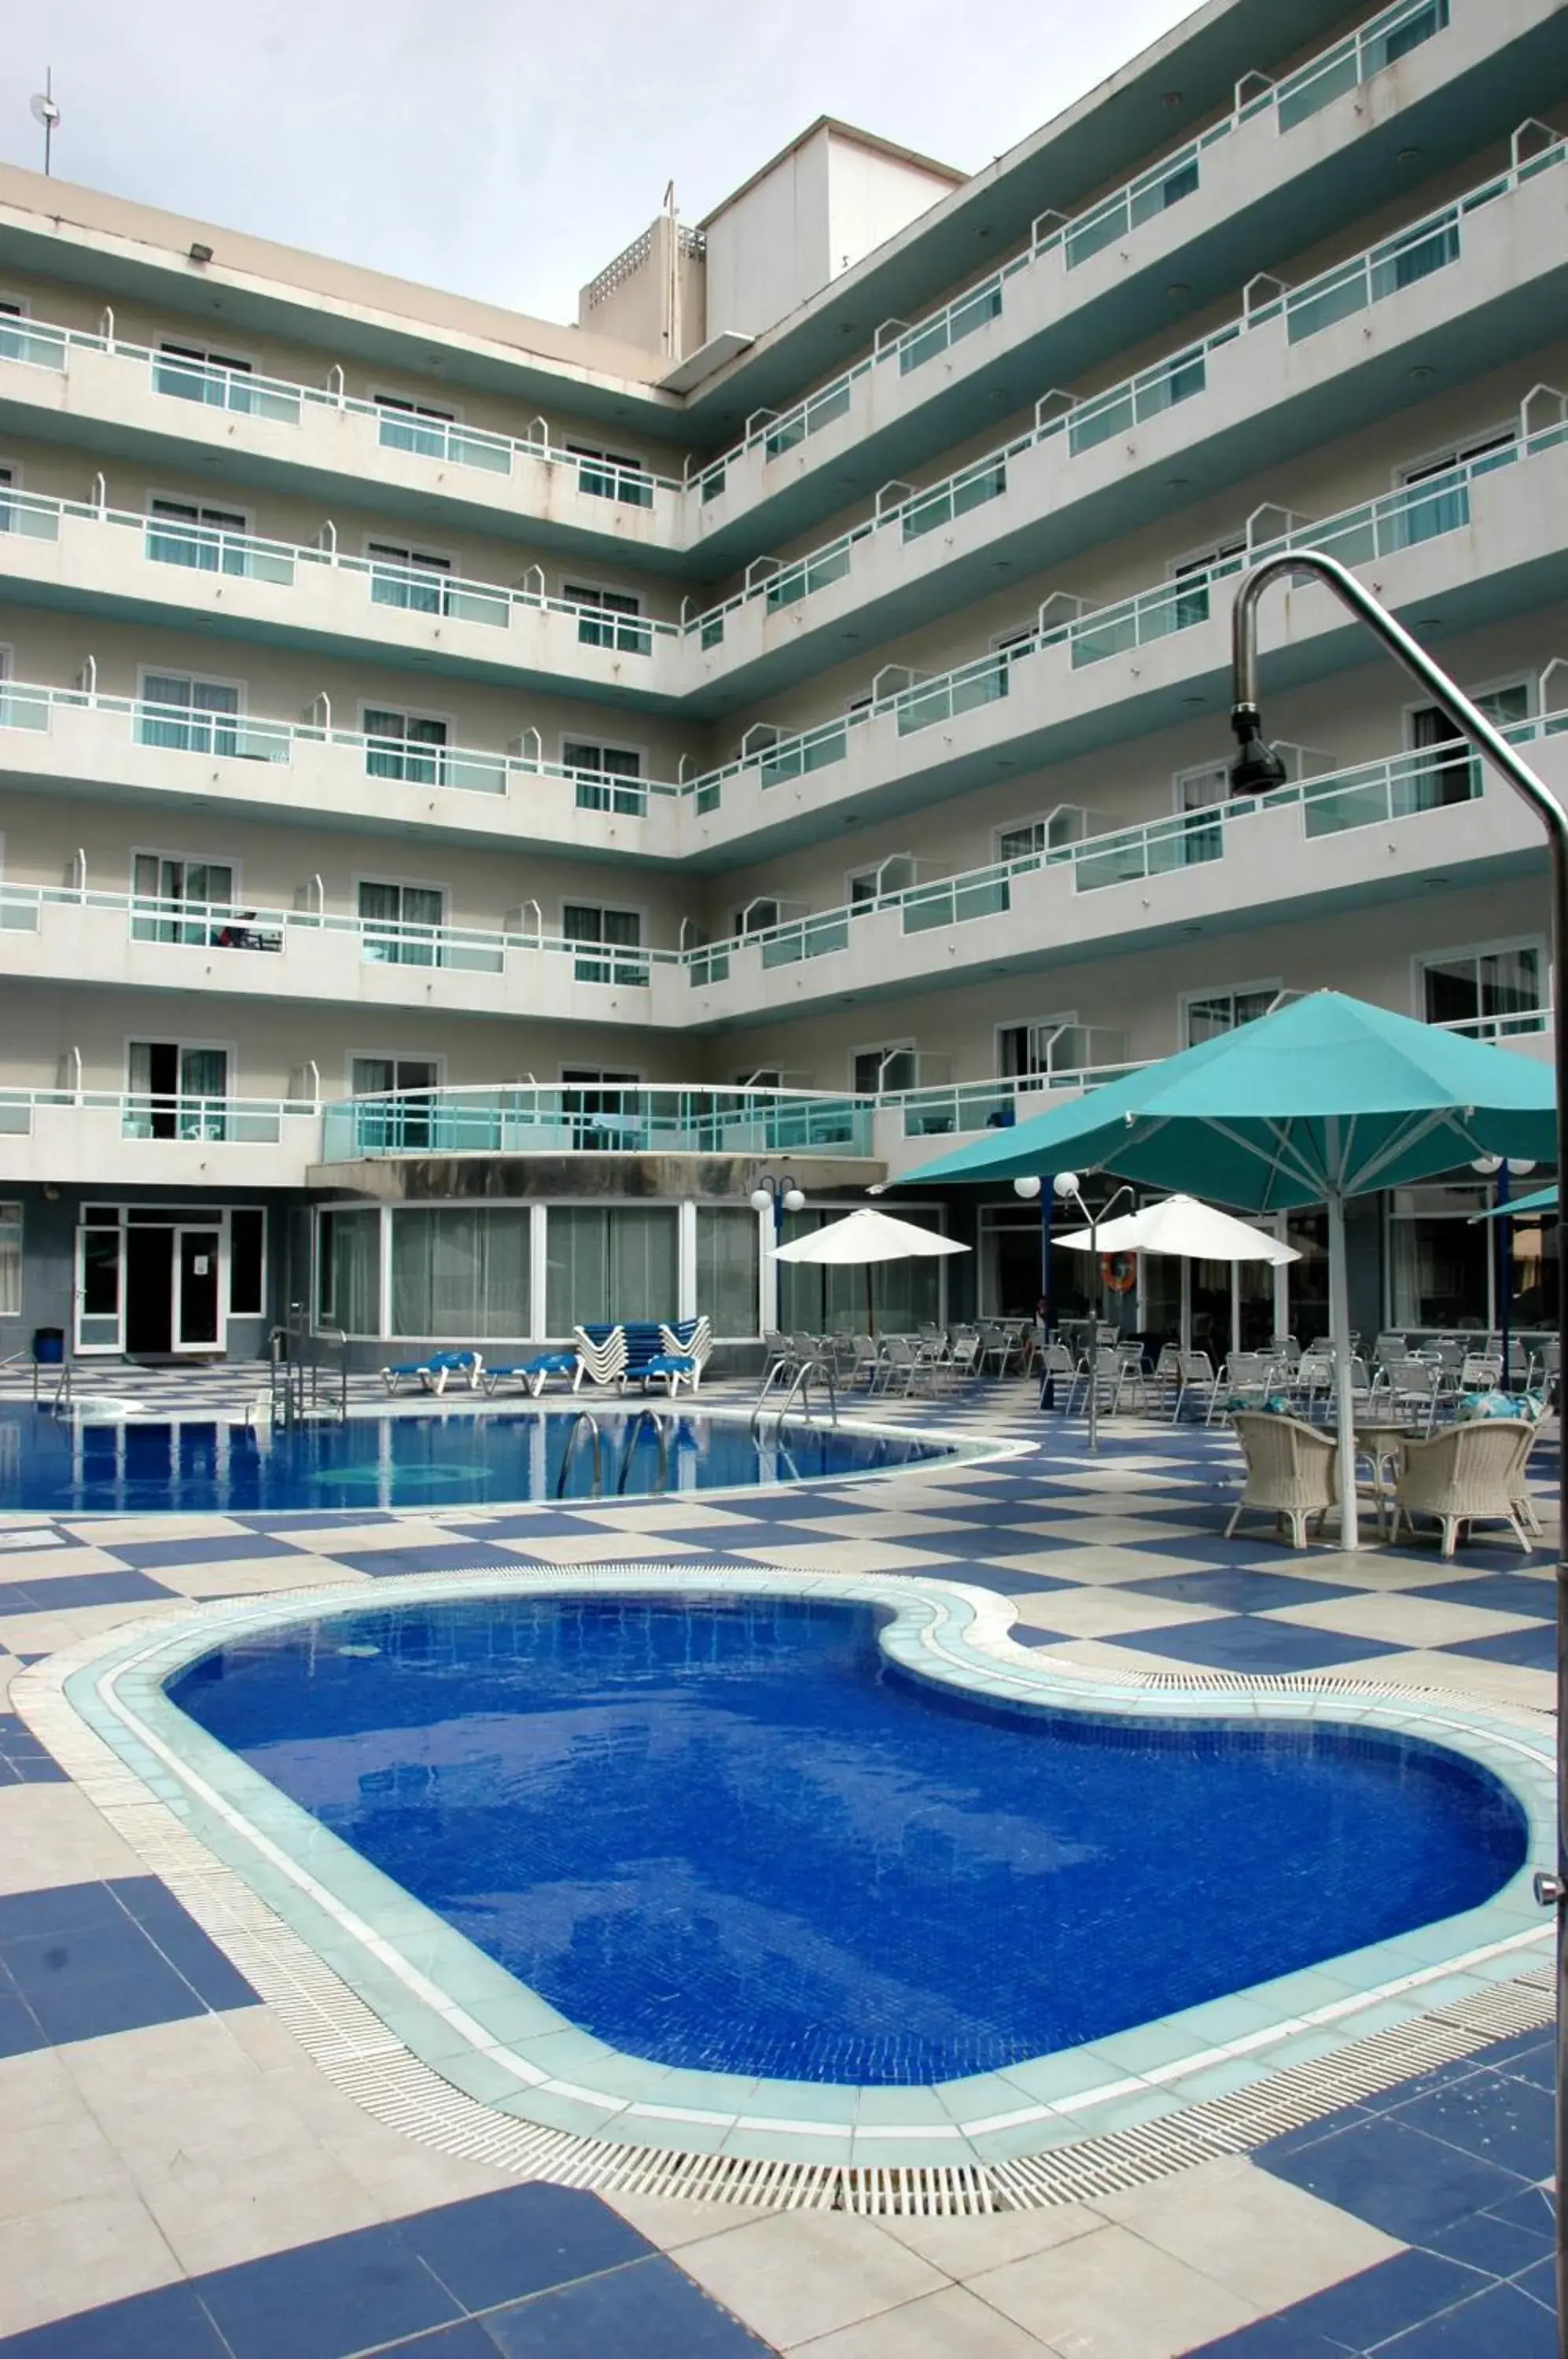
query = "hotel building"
{"x": 478, "y": 794}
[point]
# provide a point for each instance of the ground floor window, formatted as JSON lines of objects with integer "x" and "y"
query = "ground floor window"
{"x": 610, "y": 1262}
{"x": 727, "y": 1267}
{"x": 817, "y": 1299}
{"x": 10, "y": 1261}
{"x": 348, "y": 1271}
{"x": 460, "y": 1269}
{"x": 1437, "y": 1275}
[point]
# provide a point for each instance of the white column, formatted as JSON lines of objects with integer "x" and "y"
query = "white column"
{"x": 768, "y": 1289}
{"x": 1339, "y": 1329}
{"x": 686, "y": 1259}
{"x": 538, "y": 1270}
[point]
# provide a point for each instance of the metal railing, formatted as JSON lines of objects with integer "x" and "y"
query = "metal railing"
{"x": 1386, "y": 36}
{"x": 146, "y": 1115}
{"x": 207, "y": 549}
{"x": 39, "y": 343}
{"x": 520, "y": 1118}
{"x": 1382, "y": 270}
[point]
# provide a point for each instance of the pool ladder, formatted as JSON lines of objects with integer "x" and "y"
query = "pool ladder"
{"x": 300, "y": 1377}
{"x": 796, "y": 1377}
{"x": 585, "y": 1420}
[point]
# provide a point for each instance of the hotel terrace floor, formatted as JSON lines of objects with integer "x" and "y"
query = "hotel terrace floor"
{"x": 178, "y": 2179}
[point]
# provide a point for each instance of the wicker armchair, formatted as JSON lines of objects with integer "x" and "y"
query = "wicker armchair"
{"x": 1292, "y": 1471}
{"x": 1473, "y": 1472}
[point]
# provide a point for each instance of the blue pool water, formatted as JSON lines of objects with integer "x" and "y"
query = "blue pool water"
{"x": 455, "y": 1458}
{"x": 727, "y": 1834}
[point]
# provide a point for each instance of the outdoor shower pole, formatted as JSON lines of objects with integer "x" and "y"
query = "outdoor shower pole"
{"x": 1552, "y": 1888}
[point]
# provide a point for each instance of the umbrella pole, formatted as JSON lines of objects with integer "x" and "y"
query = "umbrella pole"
{"x": 1339, "y": 1331}
{"x": 870, "y": 1306}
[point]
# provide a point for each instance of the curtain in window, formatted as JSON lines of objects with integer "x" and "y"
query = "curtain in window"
{"x": 610, "y": 1262}
{"x": 459, "y": 1271}
{"x": 727, "y": 1267}
{"x": 348, "y": 1266}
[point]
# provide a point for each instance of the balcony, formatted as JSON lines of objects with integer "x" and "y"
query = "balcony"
{"x": 76, "y": 1136}
{"x": 1296, "y": 367}
{"x": 169, "y": 570}
{"x": 658, "y": 1120}
{"x": 140, "y": 942}
{"x": 53, "y": 737}
{"x": 1293, "y": 163}
{"x": 316, "y": 440}
{"x": 1471, "y": 546}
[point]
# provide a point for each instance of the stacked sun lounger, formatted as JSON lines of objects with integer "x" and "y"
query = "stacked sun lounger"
{"x": 642, "y": 1351}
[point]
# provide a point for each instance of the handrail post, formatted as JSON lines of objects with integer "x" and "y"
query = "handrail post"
{"x": 1473, "y": 725}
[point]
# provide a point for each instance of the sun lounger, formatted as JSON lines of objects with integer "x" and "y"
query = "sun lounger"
{"x": 535, "y": 1373}
{"x": 433, "y": 1375}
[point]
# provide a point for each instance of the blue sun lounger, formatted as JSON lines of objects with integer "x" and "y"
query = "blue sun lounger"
{"x": 434, "y": 1374}
{"x": 535, "y": 1373}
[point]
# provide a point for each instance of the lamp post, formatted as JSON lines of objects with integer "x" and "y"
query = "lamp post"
{"x": 778, "y": 1192}
{"x": 1255, "y": 770}
{"x": 1502, "y": 1168}
{"x": 1066, "y": 1190}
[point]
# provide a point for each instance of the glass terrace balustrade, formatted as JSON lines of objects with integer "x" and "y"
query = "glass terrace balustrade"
{"x": 523, "y": 1120}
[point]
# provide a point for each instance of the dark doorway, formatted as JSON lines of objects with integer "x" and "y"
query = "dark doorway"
{"x": 149, "y": 1290}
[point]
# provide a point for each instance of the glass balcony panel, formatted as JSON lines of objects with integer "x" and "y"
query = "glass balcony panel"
{"x": 23, "y": 708}
{"x": 712, "y": 631}
{"x": 29, "y": 518}
{"x": 788, "y": 432}
{"x": 784, "y": 949}
{"x": 1157, "y": 196}
{"x": 489, "y": 606}
{"x": 474, "y": 774}
{"x": 1110, "y": 416}
{"x": 1097, "y": 231}
{"x": 37, "y": 347}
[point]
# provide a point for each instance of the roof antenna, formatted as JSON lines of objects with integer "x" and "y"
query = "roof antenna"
{"x": 46, "y": 112}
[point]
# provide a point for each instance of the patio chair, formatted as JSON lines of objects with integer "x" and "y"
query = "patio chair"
{"x": 434, "y": 1374}
{"x": 1313, "y": 1377}
{"x": 1107, "y": 1376}
{"x": 1390, "y": 1346}
{"x": 1480, "y": 1371}
{"x": 1413, "y": 1389}
{"x": 1195, "y": 1380}
{"x": 1245, "y": 1381}
{"x": 962, "y": 1361}
{"x": 535, "y": 1373}
{"x": 1291, "y": 1472}
{"x": 897, "y": 1366}
{"x": 1056, "y": 1365}
{"x": 1470, "y": 1473}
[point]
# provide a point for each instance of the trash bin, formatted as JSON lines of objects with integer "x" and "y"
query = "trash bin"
{"x": 49, "y": 1347}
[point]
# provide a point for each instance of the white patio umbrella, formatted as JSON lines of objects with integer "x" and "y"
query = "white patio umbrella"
{"x": 864, "y": 1238}
{"x": 1185, "y": 1227}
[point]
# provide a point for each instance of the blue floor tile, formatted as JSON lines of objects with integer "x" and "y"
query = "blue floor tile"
{"x": 1483, "y": 2241}
{"x": 522, "y": 2240}
{"x": 1241, "y": 1590}
{"x": 1501, "y": 1592}
{"x": 1534, "y": 1647}
{"x": 147, "y": 1555}
{"x": 1362, "y": 2312}
{"x": 1501, "y": 2121}
{"x": 440, "y": 1556}
{"x": 62, "y": 1591}
{"x": 1247, "y": 1642}
{"x": 1503, "y": 2324}
{"x": 466, "y": 2341}
{"x": 169, "y": 2324}
{"x": 1395, "y": 2177}
{"x": 59, "y": 1908}
{"x": 323, "y": 2301}
{"x": 650, "y": 2309}
{"x": 1283, "y": 2336}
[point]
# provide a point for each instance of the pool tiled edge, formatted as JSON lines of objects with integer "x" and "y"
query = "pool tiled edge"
{"x": 101, "y": 1707}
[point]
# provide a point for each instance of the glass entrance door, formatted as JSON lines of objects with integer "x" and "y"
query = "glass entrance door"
{"x": 197, "y": 1316}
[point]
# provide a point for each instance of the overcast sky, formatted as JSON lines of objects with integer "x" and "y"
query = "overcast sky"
{"x": 505, "y": 149}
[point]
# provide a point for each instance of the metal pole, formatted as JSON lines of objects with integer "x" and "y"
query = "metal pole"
{"x": 1503, "y": 1263}
{"x": 1094, "y": 1332}
{"x": 1552, "y": 1888}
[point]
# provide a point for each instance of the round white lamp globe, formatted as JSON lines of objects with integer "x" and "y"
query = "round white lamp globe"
{"x": 1066, "y": 1183}
{"x": 761, "y": 1198}
{"x": 1027, "y": 1185}
{"x": 1521, "y": 1166}
{"x": 1488, "y": 1165}
{"x": 794, "y": 1199}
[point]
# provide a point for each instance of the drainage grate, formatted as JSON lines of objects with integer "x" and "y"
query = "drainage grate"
{"x": 359, "y": 2055}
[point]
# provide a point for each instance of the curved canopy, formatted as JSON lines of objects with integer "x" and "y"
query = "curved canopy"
{"x": 866, "y": 1235}
{"x": 1181, "y": 1227}
{"x": 1327, "y": 1097}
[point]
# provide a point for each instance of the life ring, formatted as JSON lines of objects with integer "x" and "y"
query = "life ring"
{"x": 1118, "y": 1272}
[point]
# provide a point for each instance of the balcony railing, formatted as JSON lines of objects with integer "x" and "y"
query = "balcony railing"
{"x": 148, "y": 1115}
{"x": 382, "y": 941}
{"x": 251, "y": 737}
{"x": 1383, "y": 270}
{"x": 206, "y": 549}
{"x": 1387, "y": 37}
{"x": 39, "y": 343}
{"x": 657, "y": 1120}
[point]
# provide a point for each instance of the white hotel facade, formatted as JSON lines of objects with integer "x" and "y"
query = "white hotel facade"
{"x": 478, "y": 794}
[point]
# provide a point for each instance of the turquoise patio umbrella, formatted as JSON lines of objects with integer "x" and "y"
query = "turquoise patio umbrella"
{"x": 1543, "y": 1200}
{"x": 1326, "y": 1099}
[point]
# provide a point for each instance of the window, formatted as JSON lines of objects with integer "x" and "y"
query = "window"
{"x": 191, "y": 374}
{"x": 166, "y": 889}
{"x": 405, "y": 1117}
{"x": 404, "y": 746}
{"x": 176, "y": 1091}
{"x": 348, "y": 1271}
{"x": 1020, "y": 842}
{"x": 1190, "y": 607}
{"x": 616, "y": 930}
{"x": 401, "y": 923}
{"x": 611, "y": 475}
{"x": 608, "y": 619}
{"x": 609, "y": 1262}
{"x": 601, "y": 770}
{"x": 190, "y": 533}
{"x": 187, "y": 715}
{"x": 413, "y": 426}
{"x": 1453, "y": 775}
{"x": 603, "y": 1107}
{"x": 1438, "y": 1273}
{"x": 1025, "y": 1048}
{"x": 408, "y": 578}
{"x": 1478, "y": 991}
{"x": 247, "y": 1254}
{"x": 1206, "y": 1014}
{"x": 727, "y": 1267}
{"x": 459, "y": 1271}
{"x": 1199, "y": 793}
{"x": 11, "y": 1261}
{"x": 874, "y": 1071}
{"x": 1447, "y": 506}
{"x": 756, "y": 918}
